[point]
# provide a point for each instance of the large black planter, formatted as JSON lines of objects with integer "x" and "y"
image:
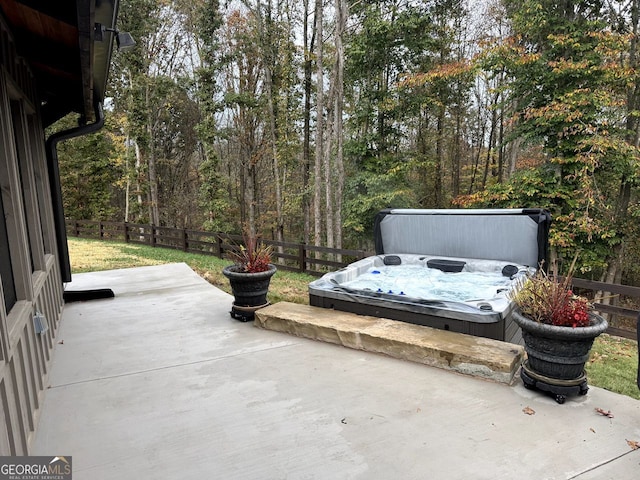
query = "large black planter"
{"x": 556, "y": 355}
{"x": 249, "y": 290}
{"x": 559, "y": 352}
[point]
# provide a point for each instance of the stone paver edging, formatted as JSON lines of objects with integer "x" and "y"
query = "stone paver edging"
{"x": 476, "y": 356}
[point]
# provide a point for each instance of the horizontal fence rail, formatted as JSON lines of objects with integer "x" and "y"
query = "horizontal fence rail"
{"x": 296, "y": 257}
{"x": 613, "y": 290}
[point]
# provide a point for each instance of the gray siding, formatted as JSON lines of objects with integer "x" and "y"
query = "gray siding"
{"x": 25, "y": 355}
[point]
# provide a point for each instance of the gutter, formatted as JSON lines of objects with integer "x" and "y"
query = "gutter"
{"x": 56, "y": 189}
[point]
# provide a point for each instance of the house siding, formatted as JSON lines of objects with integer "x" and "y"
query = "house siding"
{"x": 25, "y": 356}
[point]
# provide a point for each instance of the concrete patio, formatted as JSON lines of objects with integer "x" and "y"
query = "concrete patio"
{"x": 161, "y": 383}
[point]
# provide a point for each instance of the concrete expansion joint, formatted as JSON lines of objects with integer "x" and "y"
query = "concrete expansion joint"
{"x": 601, "y": 465}
{"x": 166, "y": 367}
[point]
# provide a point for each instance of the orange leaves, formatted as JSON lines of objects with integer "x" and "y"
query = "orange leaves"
{"x": 530, "y": 161}
{"x": 633, "y": 444}
{"x": 467, "y": 201}
{"x": 604, "y": 413}
{"x": 564, "y": 65}
{"x": 440, "y": 72}
{"x": 484, "y": 197}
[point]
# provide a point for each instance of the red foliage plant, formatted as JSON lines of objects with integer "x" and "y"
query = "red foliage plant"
{"x": 252, "y": 257}
{"x": 547, "y": 300}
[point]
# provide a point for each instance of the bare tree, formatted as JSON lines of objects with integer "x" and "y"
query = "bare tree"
{"x": 317, "y": 196}
{"x": 308, "y": 47}
{"x": 341, "y": 7}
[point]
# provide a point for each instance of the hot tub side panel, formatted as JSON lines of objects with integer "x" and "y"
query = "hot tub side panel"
{"x": 504, "y": 329}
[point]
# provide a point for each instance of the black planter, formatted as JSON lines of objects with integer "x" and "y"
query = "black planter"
{"x": 249, "y": 290}
{"x": 559, "y": 352}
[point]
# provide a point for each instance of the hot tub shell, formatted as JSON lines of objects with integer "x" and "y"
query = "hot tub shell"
{"x": 487, "y": 239}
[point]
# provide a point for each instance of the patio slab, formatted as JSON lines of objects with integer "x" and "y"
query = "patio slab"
{"x": 160, "y": 382}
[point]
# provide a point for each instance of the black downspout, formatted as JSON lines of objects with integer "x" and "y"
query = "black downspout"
{"x": 56, "y": 189}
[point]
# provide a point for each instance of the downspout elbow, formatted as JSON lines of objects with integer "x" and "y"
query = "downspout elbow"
{"x": 56, "y": 188}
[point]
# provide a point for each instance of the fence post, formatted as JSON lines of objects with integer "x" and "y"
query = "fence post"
{"x": 101, "y": 230}
{"x": 152, "y": 237}
{"x": 125, "y": 229}
{"x": 301, "y": 257}
{"x": 76, "y": 228}
{"x": 219, "y": 245}
{"x": 184, "y": 240}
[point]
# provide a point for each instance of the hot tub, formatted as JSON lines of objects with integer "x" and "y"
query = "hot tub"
{"x": 447, "y": 269}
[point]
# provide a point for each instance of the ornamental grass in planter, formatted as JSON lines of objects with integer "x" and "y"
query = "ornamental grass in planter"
{"x": 546, "y": 300}
{"x": 249, "y": 276}
{"x": 558, "y": 328}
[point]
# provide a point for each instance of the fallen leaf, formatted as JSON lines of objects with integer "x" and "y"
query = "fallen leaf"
{"x": 606, "y": 413}
{"x": 592, "y": 430}
{"x": 633, "y": 444}
{"x": 418, "y": 410}
{"x": 595, "y": 357}
{"x": 529, "y": 411}
{"x": 344, "y": 420}
{"x": 61, "y": 342}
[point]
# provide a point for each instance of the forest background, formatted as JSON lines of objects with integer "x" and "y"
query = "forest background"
{"x": 299, "y": 119}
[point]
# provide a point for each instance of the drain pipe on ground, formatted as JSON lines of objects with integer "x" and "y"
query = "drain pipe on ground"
{"x": 56, "y": 199}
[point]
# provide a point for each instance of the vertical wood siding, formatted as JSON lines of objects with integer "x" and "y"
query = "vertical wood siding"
{"x": 25, "y": 356}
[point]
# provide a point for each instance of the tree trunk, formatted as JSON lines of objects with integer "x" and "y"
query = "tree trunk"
{"x": 269, "y": 63}
{"x": 492, "y": 135}
{"x": 456, "y": 154}
{"x": 139, "y": 178}
{"x": 306, "y": 142}
{"x": 478, "y": 152}
{"x": 439, "y": 173}
{"x": 317, "y": 198}
{"x": 514, "y": 151}
{"x": 341, "y": 19}
{"x": 327, "y": 165}
{"x": 154, "y": 211}
{"x": 500, "y": 147}
{"x": 127, "y": 189}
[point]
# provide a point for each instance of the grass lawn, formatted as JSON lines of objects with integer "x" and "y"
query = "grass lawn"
{"x": 94, "y": 255}
{"x": 613, "y": 364}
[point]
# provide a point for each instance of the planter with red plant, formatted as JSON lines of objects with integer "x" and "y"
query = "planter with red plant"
{"x": 249, "y": 276}
{"x": 558, "y": 328}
